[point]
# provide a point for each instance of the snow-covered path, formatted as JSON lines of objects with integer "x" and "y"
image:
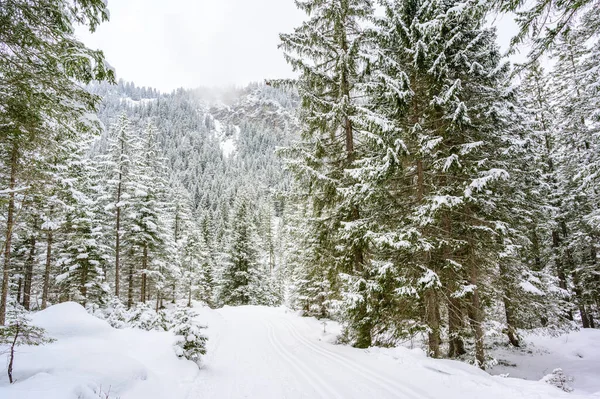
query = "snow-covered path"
{"x": 265, "y": 353}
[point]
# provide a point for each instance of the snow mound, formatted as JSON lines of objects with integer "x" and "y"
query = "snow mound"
{"x": 69, "y": 319}
{"x": 89, "y": 357}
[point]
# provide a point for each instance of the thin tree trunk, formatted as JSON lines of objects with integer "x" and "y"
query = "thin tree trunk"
{"x": 118, "y": 241}
{"x": 130, "y": 286}
{"x": 9, "y": 232}
{"x": 509, "y": 312}
{"x": 12, "y": 353}
{"x": 144, "y": 279}
{"x": 19, "y": 288}
{"x": 83, "y": 283}
{"x": 29, "y": 274}
{"x": 46, "y": 287}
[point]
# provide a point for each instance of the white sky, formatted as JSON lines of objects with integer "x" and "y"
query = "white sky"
{"x": 168, "y": 44}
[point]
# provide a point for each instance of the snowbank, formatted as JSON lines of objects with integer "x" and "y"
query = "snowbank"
{"x": 576, "y": 353}
{"x": 89, "y": 355}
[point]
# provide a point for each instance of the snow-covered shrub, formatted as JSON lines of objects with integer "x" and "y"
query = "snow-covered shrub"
{"x": 559, "y": 379}
{"x": 114, "y": 313}
{"x": 191, "y": 343}
{"x": 144, "y": 317}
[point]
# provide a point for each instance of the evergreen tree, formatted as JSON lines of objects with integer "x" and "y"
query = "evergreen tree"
{"x": 437, "y": 164}
{"x": 242, "y": 281}
{"x": 329, "y": 52}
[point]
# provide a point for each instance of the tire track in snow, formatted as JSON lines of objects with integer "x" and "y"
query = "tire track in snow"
{"x": 324, "y": 390}
{"x": 390, "y": 386}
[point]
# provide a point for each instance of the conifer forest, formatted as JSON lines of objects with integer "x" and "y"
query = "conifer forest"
{"x": 414, "y": 186}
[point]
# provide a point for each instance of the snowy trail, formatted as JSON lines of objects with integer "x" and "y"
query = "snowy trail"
{"x": 261, "y": 353}
{"x": 267, "y": 353}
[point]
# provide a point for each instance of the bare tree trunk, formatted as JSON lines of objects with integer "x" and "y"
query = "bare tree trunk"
{"x": 455, "y": 321}
{"x": 9, "y": 232}
{"x": 29, "y": 274}
{"x": 432, "y": 311}
{"x": 144, "y": 279}
{"x": 118, "y": 242}
{"x": 12, "y": 353}
{"x": 46, "y": 287}
{"x": 130, "y": 286}
{"x": 83, "y": 283}
{"x": 19, "y": 287}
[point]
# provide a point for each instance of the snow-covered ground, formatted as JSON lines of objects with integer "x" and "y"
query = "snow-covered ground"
{"x": 270, "y": 353}
{"x": 90, "y": 356}
{"x": 576, "y": 353}
{"x": 257, "y": 352}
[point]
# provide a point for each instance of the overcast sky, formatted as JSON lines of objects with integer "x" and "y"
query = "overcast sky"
{"x": 191, "y": 43}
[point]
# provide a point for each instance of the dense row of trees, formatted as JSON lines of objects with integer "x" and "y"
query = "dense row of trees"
{"x": 439, "y": 196}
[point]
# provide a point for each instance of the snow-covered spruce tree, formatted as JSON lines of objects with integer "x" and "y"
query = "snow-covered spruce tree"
{"x": 544, "y": 303}
{"x": 81, "y": 254}
{"x": 149, "y": 237}
{"x": 191, "y": 342}
{"x": 311, "y": 278}
{"x": 117, "y": 166}
{"x": 543, "y": 32}
{"x": 197, "y": 278}
{"x": 577, "y": 163}
{"x": 440, "y": 165}
{"x": 242, "y": 281}
{"x": 328, "y": 51}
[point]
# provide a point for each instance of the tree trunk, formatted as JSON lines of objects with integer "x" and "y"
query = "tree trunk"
{"x": 29, "y": 273}
{"x": 130, "y": 285}
{"x": 511, "y": 331}
{"x": 432, "y": 311}
{"x": 476, "y": 317}
{"x": 12, "y": 353}
{"x": 46, "y": 287}
{"x": 455, "y": 321}
{"x": 19, "y": 287}
{"x": 509, "y": 310}
{"x": 83, "y": 283}
{"x": 585, "y": 321}
{"x": 9, "y": 232}
{"x": 118, "y": 242}
{"x": 144, "y": 276}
